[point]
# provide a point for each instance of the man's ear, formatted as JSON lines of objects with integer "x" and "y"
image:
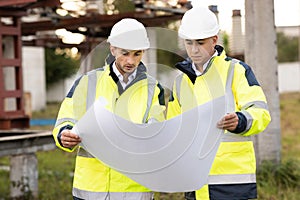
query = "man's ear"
{"x": 112, "y": 50}
{"x": 215, "y": 39}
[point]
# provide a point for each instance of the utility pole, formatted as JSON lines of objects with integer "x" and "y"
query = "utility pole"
{"x": 261, "y": 55}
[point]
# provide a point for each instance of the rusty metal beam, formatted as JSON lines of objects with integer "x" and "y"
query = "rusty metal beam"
{"x": 43, "y": 4}
{"x": 56, "y": 42}
{"x": 159, "y": 20}
{"x": 15, "y": 2}
{"x": 102, "y": 21}
{"x": 17, "y": 8}
{"x": 30, "y": 28}
{"x": 9, "y": 12}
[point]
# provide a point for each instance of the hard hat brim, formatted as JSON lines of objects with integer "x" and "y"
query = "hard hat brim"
{"x": 196, "y": 36}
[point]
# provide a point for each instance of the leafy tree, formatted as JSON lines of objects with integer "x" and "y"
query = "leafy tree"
{"x": 168, "y": 52}
{"x": 119, "y": 6}
{"x": 288, "y": 48}
{"x": 226, "y": 41}
{"x": 59, "y": 65}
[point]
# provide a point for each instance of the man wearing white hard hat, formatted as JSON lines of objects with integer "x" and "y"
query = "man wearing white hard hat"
{"x": 207, "y": 74}
{"x": 130, "y": 93}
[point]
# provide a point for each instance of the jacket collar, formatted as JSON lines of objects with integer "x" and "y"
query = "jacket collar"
{"x": 186, "y": 65}
{"x": 140, "y": 75}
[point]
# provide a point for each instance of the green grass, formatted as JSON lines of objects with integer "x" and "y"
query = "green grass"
{"x": 290, "y": 125}
{"x": 50, "y": 112}
{"x": 275, "y": 182}
{"x": 55, "y": 174}
{"x": 55, "y": 167}
{"x": 279, "y": 182}
{"x": 282, "y": 182}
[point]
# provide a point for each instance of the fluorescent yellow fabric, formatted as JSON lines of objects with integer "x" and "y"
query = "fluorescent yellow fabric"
{"x": 203, "y": 193}
{"x": 243, "y": 95}
{"x": 232, "y": 158}
{"x": 91, "y": 174}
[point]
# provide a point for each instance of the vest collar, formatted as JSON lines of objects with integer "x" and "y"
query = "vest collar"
{"x": 186, "y": 65}
{"x": 140, "y": 75}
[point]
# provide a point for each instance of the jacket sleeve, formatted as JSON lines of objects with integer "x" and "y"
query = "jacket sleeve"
{"x": 250, "y": 100}
{"x": 71, "y": 110}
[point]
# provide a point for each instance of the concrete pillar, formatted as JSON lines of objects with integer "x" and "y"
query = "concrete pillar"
{"x": 261, "y": 55}
{"x": 24, "y": 176}
{"x": 299, "y": 44}
{"x": 34, "y": 75}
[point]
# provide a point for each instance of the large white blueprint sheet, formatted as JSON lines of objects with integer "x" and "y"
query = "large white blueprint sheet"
{"x": 171, "y": 156}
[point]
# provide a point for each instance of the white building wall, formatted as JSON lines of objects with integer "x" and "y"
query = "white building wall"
{"x": 289, "y": 77}
{"x": 292, "y": 31}
{"x": 34, "y": 76}
{"x": 9, "y": 72}
{"x": 58, "y": 91}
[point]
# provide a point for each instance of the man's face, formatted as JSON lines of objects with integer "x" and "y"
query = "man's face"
{"x": 200, "y": 50}
{"x": 126, "y": 60}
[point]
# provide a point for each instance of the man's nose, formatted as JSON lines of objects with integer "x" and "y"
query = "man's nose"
{"x": 130, "y": 60}
{"x": 195, "y": 47}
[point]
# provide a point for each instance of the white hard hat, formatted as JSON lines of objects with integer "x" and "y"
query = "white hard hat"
{"x": 129, "y": 34}
{"x": 198, "y": 23}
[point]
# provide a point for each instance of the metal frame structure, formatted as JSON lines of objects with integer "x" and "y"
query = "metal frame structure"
{"x": 98, "y": 26}
{"x": 15, "y": 118}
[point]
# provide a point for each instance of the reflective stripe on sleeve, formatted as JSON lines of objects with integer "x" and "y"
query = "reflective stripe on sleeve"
{"x": 231, "y": 178}
{"x": 231, "y": 137}
{"x": 249, "y": 120}
{"x": 256, "y": 104}
{"x": 62, "y": 120}
{"x": 151, "y": 88}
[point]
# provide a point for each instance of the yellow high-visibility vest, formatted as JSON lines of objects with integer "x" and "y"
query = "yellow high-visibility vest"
{"x": 139, "y": 102}
{"x": 235, "y": 163}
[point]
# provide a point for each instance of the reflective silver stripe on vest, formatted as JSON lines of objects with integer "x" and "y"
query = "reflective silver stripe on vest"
{"x": 62, "y": 120}
{"x": 232, "y": 179}
{"x": 83, "y": 153}
{"x": 91, "y": 90}
{"x": 231, "y": 137}
{"x": 90, "y": 99}
{"x": 112, "y": 195}
{"x": 178, "y": 84}
{"x": 228, "y": 88}
{"x": 151, "y": 89}
{"x": 256, "y": 104}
